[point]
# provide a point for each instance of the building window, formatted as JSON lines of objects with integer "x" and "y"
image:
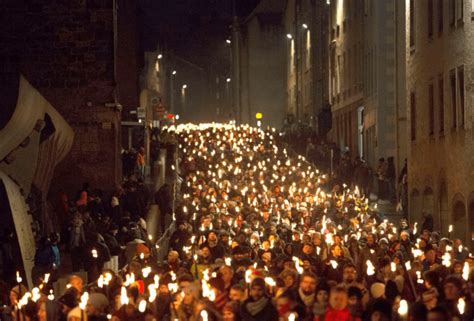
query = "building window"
{"x": 452, "y": 85}
{"x": 472, "y": 9}
{"x": 431, "y": 109}
{"x": 460, "y": 11}
{"x": 412, "y": 24}
{"x": 461, "y": 95}
{"x": 430, "y": 18}
{"x": 308, "y": 49}
{"x": 452, "y": 13}
{"x": 441, "y": 103}
{"x": 441, "y": 16}
{"x": 413, "y": 116}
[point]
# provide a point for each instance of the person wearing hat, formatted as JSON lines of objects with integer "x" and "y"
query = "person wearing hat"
{"x": 96, "y": 307}
{"x": 215, "y": 247}
{"x": 380, "y": 309}
{"x": 258, "y": 306}
{"x": 322, "y": 298}
{"x": 354, "y": 303}
{"x": 69, "y": 300}
{"x": 430, "y": 298}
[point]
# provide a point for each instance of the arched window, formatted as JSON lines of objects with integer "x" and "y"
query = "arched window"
{"x": 459, "y": 219}
{"x": 443, "y": 209}
{"x": 471, "y": 222}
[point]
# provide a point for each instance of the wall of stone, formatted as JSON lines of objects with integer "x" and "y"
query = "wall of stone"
{"x": 66, "y": 49}
{"x": 440, "y": 164}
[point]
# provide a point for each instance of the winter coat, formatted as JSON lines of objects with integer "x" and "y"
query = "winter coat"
{"x": 337, "y": 315}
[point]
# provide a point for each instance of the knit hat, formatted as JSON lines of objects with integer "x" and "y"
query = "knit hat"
{"x": 323, "y": 286}
{"x": 69, "y": 298}
{"x": 354, "y": 291}
{"x": 377, "y": 290}
{"x": 382, "y": 306}
{"x": 391, "y": 290}
{"x": 99, "y": 301}
{"x": 258, "y": 282}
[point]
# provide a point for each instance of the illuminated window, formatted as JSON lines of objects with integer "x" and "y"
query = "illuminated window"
{"x": 461, "y": 95}
{"x": 452, "y": 85}
{"x": 412, "y": 24}
{"x": 308, "y": 49}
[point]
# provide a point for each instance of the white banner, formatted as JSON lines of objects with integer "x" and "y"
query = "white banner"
{"x": 23, "y": 223}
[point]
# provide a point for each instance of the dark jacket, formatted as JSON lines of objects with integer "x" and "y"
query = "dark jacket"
{"x": 268, "y": 313}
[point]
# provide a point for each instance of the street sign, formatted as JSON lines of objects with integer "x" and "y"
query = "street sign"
{"x": 141, "y": 112}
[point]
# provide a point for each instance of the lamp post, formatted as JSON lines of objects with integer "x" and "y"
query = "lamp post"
{"x": 183, "y": 97}
{"x": 173, "y": 73}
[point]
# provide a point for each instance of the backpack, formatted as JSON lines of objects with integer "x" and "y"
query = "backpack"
{"x": 44, "y": 256}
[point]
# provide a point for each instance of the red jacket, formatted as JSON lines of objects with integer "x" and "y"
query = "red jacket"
{"x": 336, "y": 315}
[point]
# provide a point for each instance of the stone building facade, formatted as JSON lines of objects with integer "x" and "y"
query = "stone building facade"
{"x": 263, "y": 65}
{"x": 307, "y": 89}
{"x": 440, "y": 87}
{"x": 70, "y": 51}
{"x": 366, "y": 77}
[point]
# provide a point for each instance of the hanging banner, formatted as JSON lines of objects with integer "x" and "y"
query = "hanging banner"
{"x": 23, "y": 223}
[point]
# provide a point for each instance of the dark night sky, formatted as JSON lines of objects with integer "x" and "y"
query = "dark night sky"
{"x": 193, "y": 29}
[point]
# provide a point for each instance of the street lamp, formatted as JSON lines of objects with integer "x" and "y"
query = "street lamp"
{"x": 305, "y": 26}
{"x": 174, "y": 72}
{"x": 185, "y": 86}
{"x": 228, "y": 80}
{"x": 160, "y": 56}
{"x": 228, "y": 41}
{"x": 289, "y": 36}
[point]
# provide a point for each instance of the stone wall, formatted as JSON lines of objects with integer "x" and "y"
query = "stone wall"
{"x": 65, "y": 48}
{"x": 440, "y": 162}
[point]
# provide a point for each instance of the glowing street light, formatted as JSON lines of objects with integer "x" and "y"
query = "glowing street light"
{"x": 160, "y": 56}
{"x": 305, "y": 26}
{"x": 185, "y": 86}
{"x": 228, "y": 41}
{"x": 289, "y": 36}
{"x": 228, "y": 80}
{"x": 174, "y": 72}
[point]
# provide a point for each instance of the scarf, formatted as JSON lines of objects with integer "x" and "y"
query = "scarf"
{"x": 255, "y": 307}
{"x": 319, "y": 308}
{"x": 307, "y": 299}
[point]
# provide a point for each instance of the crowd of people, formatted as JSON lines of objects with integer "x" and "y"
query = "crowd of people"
{"x": 263, "y": 235}
{"x": 380, "y": 180}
